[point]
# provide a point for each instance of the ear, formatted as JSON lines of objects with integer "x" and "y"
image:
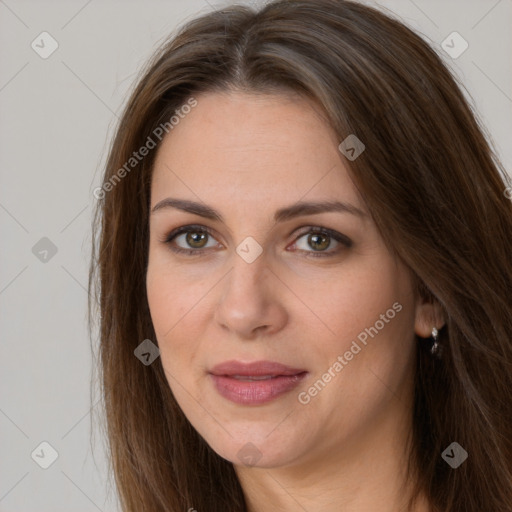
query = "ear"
{"x": 429, "y": 314}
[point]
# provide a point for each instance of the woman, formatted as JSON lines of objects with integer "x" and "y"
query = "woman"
{"x": 303, "y": 274}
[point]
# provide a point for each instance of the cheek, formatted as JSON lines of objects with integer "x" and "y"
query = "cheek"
{"x": 368, "y": 319}
{"x": 342, "y": 304}
{"x": 176, "y": 326}
{"x": 172, "y": 294}
{"x": 174, "y": 306}
{"x": 376, "y": 352}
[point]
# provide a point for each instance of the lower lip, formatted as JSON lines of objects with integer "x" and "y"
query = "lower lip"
{"x": 257, "y": 391}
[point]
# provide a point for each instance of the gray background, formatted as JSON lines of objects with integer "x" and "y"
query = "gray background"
{"x": 56, "y": 119}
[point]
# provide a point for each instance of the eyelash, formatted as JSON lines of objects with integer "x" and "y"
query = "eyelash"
{"x": 342, "y": 239}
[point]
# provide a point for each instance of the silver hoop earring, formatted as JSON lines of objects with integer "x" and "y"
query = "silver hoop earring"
{"x": 435, "y": 349}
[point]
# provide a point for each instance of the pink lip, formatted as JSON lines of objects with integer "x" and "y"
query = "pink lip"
{"x": 256, "y": 368}
{"x": 283, "y": 379}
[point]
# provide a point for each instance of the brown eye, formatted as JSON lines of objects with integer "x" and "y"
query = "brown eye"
{"x": 318, "y": 241}
{"x": 196, "y": 239}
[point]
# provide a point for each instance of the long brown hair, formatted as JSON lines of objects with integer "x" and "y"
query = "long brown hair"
{"x": 434, "y": 187}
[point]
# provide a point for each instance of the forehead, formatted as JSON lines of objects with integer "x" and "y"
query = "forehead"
{"x": 254, "y": 148}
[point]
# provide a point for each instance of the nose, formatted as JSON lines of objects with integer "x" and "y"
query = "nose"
{"x": 251, "y": 302}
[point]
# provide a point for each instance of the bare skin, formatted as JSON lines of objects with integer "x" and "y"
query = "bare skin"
{"x": 342, "y": 448}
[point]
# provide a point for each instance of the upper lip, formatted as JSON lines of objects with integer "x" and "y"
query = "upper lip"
{"x": 254, "y": 369}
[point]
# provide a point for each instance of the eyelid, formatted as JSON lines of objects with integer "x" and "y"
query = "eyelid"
{"x": 342, "y": 240}
{"x": 170, "y": 237}
{"x": 185, "y": 229}
{"x": 339, "y": 237}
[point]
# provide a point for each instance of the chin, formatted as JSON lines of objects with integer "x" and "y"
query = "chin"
{"x": 255, "y": 445}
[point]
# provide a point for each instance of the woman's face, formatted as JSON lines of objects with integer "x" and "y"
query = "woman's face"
{"x": 334, "y": 308}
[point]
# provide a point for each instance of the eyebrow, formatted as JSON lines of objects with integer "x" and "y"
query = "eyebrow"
{"x": 283, "y": 214}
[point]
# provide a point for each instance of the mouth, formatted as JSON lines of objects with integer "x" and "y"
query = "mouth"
{"x": 255, "y": 383}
